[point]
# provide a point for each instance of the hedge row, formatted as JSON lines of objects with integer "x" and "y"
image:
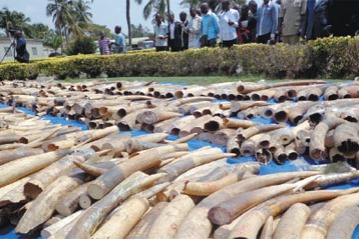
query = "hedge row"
{"x": 324, "y": 58}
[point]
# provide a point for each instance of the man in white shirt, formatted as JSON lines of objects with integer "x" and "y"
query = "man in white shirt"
{"x": 228, "y": 22}
{"x": 194, "y": 29}
{"x": 160, "y": 29}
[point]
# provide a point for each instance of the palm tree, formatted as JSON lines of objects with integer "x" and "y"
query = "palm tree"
{"x": 128, "y": 18}
{"x": 13, "y": 19}
{"x": 160, "y": 6}
{"x": 93, "y": 30}
{"x": 38, "y": 30}
{"x": 4, "y": 19}
{"x": 69, "y": 17}
{"x": 82, "y": 11}
{"x": 21, "y": 22}
{"x": 53, "y": 40}
{"x": 62, "y": 15}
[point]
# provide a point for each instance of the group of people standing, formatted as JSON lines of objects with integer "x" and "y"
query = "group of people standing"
{"x": 280, "y": 21}
{"x": 105, "y": 43}
{"x": 290, "y": 20}
{"x": 273, "y": 21}
{"x": 176, "y": 34}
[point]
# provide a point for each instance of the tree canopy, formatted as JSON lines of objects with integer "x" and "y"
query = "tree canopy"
{"x": 13, "y": 20}
{"x": 69, "y": 17}
{"x": 93, "y": 30}
{"x": 140, "y": 31}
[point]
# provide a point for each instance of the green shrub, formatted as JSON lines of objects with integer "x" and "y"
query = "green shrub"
{"x": 18, "y": 71}
{"x": 82, "y": 45}
{"x": 61, "y": 68}
{"x": 329, "y": 57}
{"x": 353, "y": 57}
{"x": 91, "y": 65}
{"x": 324, "y": 58}
{"x": 112, "y": 66}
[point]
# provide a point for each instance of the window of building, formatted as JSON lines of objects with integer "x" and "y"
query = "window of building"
{"x": 9, "y": 53}
{"x": 34, "y": 51}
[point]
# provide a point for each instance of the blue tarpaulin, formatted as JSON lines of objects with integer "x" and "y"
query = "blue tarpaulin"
{"x": 301, "y": 164}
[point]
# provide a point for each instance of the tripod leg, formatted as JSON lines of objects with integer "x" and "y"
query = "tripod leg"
{"x": 7, "y": 51}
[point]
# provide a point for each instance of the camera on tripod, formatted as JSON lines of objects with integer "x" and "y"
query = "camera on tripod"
{"x": 12, "y": 30}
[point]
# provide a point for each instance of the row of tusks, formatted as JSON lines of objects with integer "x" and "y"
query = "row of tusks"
{"x": 92, "y": 104}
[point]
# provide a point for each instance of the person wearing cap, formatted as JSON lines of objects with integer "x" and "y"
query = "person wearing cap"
{"x": 120, "y": 41}
{"x": 228, "y": 24}
{"x": 104, "y": 44}
{"x": 22, "y": 55}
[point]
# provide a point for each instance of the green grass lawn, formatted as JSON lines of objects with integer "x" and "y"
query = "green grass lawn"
{"x": 198, "y": 80}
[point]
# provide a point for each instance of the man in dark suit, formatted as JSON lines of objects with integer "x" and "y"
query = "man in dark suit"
{"x": 317, "y": 23}
{"x": 307, "y": 28}
{"x": 174, "y": 34}
{"x": 321, "y": 21}
{"x": 184, "y": 34}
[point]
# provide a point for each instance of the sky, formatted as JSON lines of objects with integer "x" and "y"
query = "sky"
{"x": 105, "y": 12}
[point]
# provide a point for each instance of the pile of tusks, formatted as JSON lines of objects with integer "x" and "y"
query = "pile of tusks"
{"x": 98, "y": 183}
